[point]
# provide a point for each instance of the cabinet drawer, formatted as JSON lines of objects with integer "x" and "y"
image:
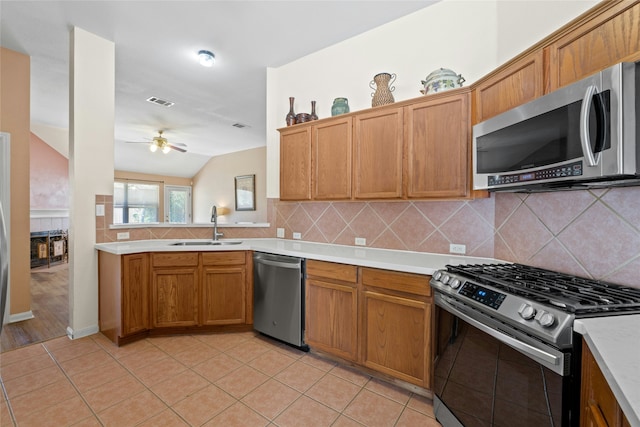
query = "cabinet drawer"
{"x": 223, "y": 258}
{"x": 404, "y": 282}
{"x": 175, "y": 259}
{"x": 330, "y": 270}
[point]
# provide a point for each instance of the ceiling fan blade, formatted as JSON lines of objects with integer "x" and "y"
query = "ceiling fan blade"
{"x": 137, "y": 142}
{"x": 182, "y": 150}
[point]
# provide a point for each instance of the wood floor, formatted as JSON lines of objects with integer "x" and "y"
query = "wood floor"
{"x": 50, "y": 306}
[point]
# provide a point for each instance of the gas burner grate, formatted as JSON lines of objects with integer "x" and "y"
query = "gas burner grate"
{"x": 570, "y": 293}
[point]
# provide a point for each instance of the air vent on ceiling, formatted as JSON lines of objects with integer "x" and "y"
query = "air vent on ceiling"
{"x": 239, "y": 125}
{"x": 159, "y": 101}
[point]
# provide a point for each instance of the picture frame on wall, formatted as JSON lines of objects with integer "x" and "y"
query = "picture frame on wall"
{"x": 245, "y": 192}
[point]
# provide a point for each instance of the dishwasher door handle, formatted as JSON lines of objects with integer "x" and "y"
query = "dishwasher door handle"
{"x": 292, "y": 266}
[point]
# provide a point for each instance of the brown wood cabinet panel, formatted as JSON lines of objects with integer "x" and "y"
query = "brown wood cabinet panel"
{"x": 110, "y": 295}
{"x": 135, "y": 293}
{"x": 331, "y": 318}
{"x": 397, "y": 281}
{"x": 295, "y": 163}
{"x": 175, "y": 259}
{"x": 331, "y": 270}
{"x": 608, "y": 38}
{"x": 331, "y": 155}
{"x": 223, "y": 258}
{"x": 223, "y": 295}
{"x": 175, "y": 297}
{"x": 517, "y": 84}
{"x": 437, "y": 147}
{"x": 378, "y": 145}
{"x": 397, "y": 337}
{"x": 599, "y": 405}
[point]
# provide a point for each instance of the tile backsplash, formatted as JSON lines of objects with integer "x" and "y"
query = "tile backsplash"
{"x": 594, "y": 233}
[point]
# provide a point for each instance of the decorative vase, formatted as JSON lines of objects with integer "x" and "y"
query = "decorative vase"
{"x": 340, "y": 106}
{"x": 383, "y": 89}
{"x": 314, "y": 116}
{"x": 291, "y": 116}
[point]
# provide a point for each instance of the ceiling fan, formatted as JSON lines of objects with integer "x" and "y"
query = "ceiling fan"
{"x": 161, "y": 143}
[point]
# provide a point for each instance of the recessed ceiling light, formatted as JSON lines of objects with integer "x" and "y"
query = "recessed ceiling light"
{"x": 206, "y": 58}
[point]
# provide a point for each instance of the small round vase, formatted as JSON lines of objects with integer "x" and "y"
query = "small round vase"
{"x": 340, "y": 106}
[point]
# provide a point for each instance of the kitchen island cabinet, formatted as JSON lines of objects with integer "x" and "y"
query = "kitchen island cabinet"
{"x": 331, "y": 308}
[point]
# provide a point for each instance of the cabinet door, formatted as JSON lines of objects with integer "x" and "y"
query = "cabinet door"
{"x": 135, "y": 293}
{"x": 512, "y": 86}
{"x": 397, "y": 337}
{"x": 175, "y": 297}
{"x": 437, "y": 150}
{"x": 223, "y": 295}
{"x": 331, "y": 156}
{"x": 295, "y": 163}
{"x": 378, "y": 148}
{"x": 331, "y": 318}
{"x": 607, "y": 38}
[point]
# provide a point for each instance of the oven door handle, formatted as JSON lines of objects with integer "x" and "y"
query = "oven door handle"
{"x": 549, "y": 360}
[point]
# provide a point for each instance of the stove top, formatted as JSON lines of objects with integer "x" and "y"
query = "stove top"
{"x": 572, "y": 294}
{"x": 529, "y": 301}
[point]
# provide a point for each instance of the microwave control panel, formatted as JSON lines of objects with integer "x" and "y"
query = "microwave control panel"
{"x": 570, "y": 170}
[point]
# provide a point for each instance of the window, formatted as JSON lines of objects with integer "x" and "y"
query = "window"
{"x": 135, "y": 203}
{"x": 177, "y": 204}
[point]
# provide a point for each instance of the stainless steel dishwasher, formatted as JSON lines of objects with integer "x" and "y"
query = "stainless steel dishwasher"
{"x": 278, "y": 297}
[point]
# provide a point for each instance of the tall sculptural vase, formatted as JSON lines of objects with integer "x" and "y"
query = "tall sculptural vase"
{"x": 382, "y": 84}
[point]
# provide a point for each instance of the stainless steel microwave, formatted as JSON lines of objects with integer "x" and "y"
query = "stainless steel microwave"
{"x": 580, "y": 136}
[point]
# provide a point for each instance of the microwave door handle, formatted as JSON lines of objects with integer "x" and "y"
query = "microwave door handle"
{"x": 585, "y": 140}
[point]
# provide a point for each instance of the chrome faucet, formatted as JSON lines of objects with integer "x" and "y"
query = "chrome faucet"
{"x": 214, "y": 220}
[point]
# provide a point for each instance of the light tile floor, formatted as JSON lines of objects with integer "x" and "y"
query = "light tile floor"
{"x": 239, "y": 379}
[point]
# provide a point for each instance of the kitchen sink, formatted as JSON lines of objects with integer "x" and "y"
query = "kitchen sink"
{"x": 208, "y": 243}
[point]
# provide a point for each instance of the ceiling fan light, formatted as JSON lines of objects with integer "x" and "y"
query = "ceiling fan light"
{"x": 153, "y": 147}
{"x": 206, "y": 58}
{"x": 166, "y": 149}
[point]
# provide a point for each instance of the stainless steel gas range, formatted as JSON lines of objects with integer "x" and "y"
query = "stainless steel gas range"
{"x": 506, "y": 352}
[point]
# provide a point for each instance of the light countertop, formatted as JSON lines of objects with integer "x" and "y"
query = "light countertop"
{"x": 388, "y": 259}
{"x": 615, "y": 344}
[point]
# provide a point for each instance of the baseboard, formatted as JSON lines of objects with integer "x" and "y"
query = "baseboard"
{"x": 80, "y": 333}
{"x": 13, "y": 318}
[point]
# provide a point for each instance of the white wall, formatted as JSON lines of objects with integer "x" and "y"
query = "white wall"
{"x": 57, "y": 138}
{"x": 91, "y": 116}
{"x": 214, "y": 184}
{"x": 470, "y": 37}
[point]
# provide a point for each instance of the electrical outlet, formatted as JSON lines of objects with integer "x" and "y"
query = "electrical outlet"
{"x": 99, "y": 210}
{"x": 122, "y": 236}
{"x": 297, "y": 236}
{"x": 280, "y": 232}
{"x": 457, "y": 249}
{"x": 361, "y": 241}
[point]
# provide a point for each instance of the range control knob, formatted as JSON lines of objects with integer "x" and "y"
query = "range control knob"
{"x": 526, "y": 311}
{"x": 455, "y": 283}
{"x": 438, "y": 275}
{"x": 445, "y": 279}
{"x": 545, "y": 319}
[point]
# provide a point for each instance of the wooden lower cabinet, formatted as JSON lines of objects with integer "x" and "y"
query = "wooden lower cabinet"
{"x": 174, "y": 289}
{"x": 123, "y": 295}
{"x": 331, "y": 308}
{"x": 599, "y": 406}
{"x": 224, "y": 288}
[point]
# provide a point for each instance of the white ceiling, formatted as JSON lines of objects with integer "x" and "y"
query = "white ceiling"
{"x": 156, "y": 44}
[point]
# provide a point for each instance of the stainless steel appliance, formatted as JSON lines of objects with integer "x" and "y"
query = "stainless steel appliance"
{"x": 5, "y": 166}
{"x": 579, "y": 136}
{"x": 278, "y": 297}
{"x": 506, "y": 353}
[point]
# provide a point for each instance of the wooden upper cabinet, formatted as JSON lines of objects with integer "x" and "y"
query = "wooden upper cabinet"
{"x": 295, "y": 163}
{"x": 514, "y": 85}
{"x": 608, "y": 37}
{"x": 331, "y": 145}
{"x": 437, "y": 147}
{"x": 378, "y": 142}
